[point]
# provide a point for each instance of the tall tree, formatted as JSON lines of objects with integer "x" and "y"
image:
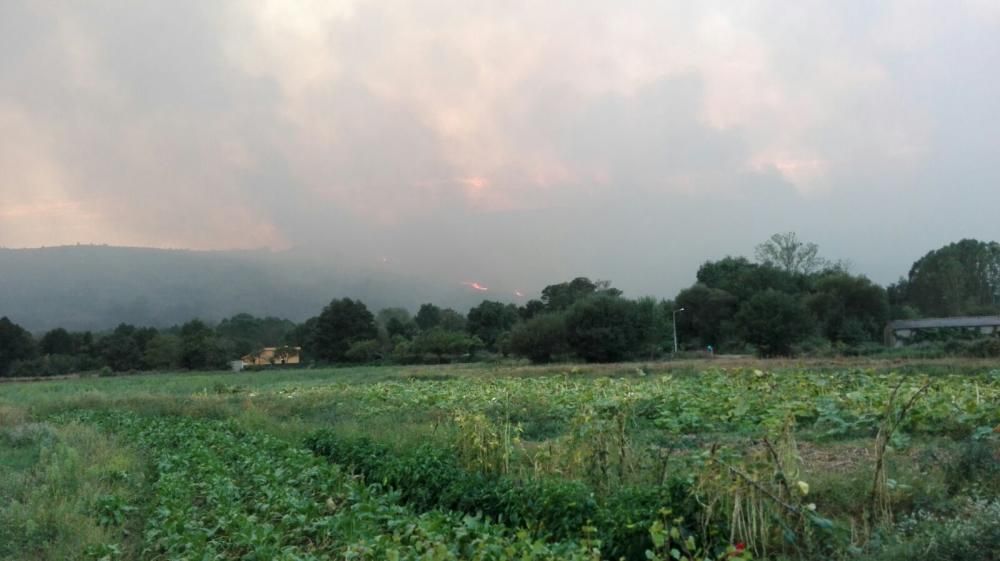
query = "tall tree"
{"x": 489, "y": 319}
{"x": 120, "y": 350}
{"x": 654, "y": 324}
{"x": 396, "y": 322}
{"x": 774, "y": 321}
{"x": 15, "y": 344}
{"x": 960, "y": 278}
{"x": 742, "y": 278}
{"x": 707, "y": 318}
{"x": 561, "y": 296}
{"x": 248, "y": 332}
{"x": 397, "y": 328}
{"x": 603, "y": 328}
{"x": 428, "y": 316}
{"x": 450, "y": 320}
{"x": 163, "y": 352}
{"x": 786, "y": 252}
{"x": 56, "y": 342}
{"x": 341, "y": 323}
{"x": 849, "y": 309}
{"x": 540, "y": 338}
{"x": 530, "y": 309}
{"x": 441, "y": 343}
{"x": 196, "y": 338}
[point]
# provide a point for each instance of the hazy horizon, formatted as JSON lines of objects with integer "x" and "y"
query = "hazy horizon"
{"x": 509, "y": 145}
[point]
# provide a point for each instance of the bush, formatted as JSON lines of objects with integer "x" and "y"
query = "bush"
{"x": 815, "y": 346}
{"x": 52, "y": 365}
{"x": 440, "y": 343}
{"x": 364, "y": 351}
{"x": 983, "y": 348}
{"x": 972, "y": 535}
{"x": 977, "y": 464}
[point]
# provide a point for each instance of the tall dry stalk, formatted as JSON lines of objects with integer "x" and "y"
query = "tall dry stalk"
{"x": 880, "y": 503}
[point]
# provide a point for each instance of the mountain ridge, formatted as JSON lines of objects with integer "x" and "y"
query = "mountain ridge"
{"x": 95, "y": 287}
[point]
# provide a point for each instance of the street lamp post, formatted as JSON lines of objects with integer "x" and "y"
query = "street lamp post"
{"x": 675, "y": 328}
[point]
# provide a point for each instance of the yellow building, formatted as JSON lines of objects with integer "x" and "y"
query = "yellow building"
{"x": 273, "y": 355}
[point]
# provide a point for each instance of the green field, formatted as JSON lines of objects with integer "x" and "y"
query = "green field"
{"x": 699, "y": 460}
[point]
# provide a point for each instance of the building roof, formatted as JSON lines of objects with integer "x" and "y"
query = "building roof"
{"x": 931, "y": 323}
{"x": 269, "y": 352}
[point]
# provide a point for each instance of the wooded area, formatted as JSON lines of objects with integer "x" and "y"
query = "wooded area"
{"x": 788, "y": 301}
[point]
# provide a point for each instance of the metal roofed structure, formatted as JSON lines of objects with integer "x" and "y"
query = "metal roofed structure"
{"x": 898, "y": 331}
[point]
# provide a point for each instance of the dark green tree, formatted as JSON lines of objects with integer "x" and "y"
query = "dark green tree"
{"x": 83, "y": 344}
{"x": 385, "y": 314}
{"x": 249, "y": 333}
{"x": 397, "y": 328}
{"x": 726, "y": 274}
{"x": 899, "y": 303}
{"x": 561, "y": 296}
{"x": 341, "y": 323}
{"x": 428, "y": 316}
{"x": 958, "y": 279}
{"x": 530, "y": 309}
{"x": 121, "y": 350}
{"x": 774, "y": 321}
{"x": 396, "y": 322}
{"x": 196, "y": 341}
{"x": 368, "y": 350}
{"x": 743, "y": 279}
{"x": 655, "y": 327}
{"x": 163, "y": 352}
{"x": 57, "y": 342}
{"x": 489, "y": 319}
{"x": 707, "y": 318}
{"x": 849, "y": 309}
{"x": 451, "y": 320}
{"x": 15, "y": 344}
{"x": 443, "y": 343}
{"x": 303, "y": 334}
{"x": 604, "y": 328}
{"x": 540, "y": 338}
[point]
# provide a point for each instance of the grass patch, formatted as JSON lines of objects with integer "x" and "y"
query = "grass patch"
{"x": 53, "y": 480}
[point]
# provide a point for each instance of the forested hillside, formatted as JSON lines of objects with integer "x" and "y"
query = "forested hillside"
{"x": 98, "y": 287}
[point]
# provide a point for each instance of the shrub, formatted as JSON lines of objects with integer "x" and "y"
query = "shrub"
{"x": 983, "y": 348}
{"x": 972, "y": 535}
{"x": 975, "y": 465}
{"x": 364, "y": 351}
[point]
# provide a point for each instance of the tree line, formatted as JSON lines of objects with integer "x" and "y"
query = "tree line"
{"x": 787, "y": 300}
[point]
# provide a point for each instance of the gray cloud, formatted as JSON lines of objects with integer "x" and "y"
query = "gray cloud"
{"x": 515, "y": 145}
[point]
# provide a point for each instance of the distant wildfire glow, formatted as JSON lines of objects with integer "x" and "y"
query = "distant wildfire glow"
{"x": 476, "y": 286}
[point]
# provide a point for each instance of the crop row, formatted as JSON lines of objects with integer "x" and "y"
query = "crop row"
{"x": 430, "y": 477}
{"x": 222, "y": 493}
{"x": 743, "y": 401}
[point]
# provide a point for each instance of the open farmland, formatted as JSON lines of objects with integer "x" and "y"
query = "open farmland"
{"x": 709, "y": 460}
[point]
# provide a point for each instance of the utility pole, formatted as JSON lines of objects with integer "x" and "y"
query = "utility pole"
{"x": 675, "y": 328}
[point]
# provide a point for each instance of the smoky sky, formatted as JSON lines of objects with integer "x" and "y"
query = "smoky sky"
{"x": 511, "y": 143}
